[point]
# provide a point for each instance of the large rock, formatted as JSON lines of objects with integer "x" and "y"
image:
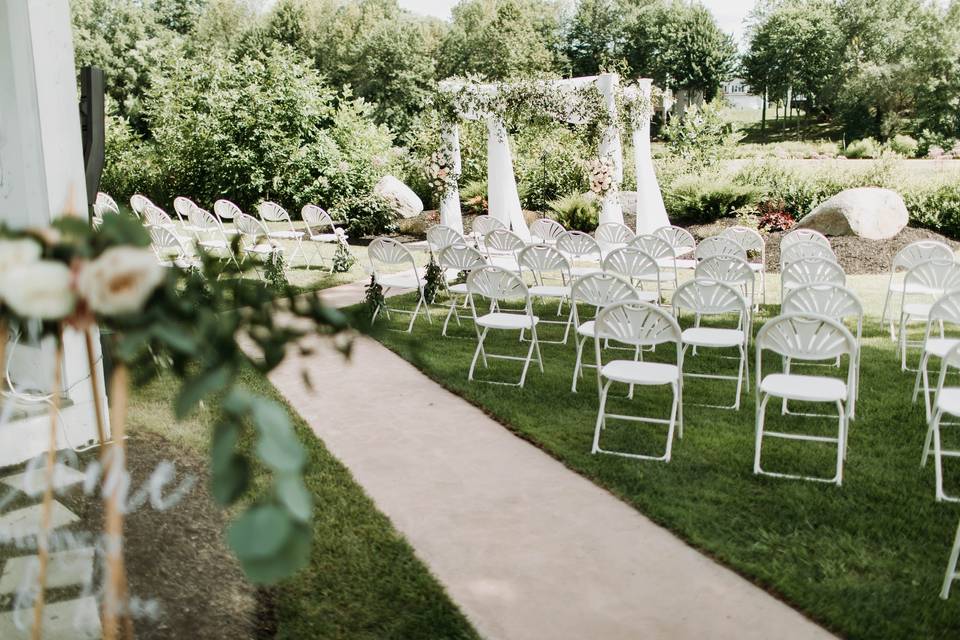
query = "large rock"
{"x": 406, "y": 203}
{"x": 867, "y": 212}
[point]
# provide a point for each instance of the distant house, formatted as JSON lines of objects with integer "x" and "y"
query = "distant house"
{"x": 737, "y": 93}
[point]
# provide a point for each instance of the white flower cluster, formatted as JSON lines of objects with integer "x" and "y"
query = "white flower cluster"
{"x": 440, "y": 172}
{"x": 600, "y": 171}
{"x": 341, "y": 235}
{"x": 117, "y": 282}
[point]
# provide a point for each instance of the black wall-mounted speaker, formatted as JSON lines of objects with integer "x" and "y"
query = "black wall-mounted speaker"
{"x": 92, "y": 127}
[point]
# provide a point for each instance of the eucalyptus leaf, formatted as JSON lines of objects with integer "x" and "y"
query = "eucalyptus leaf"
{"x": 261, "y": 532}
{"x": 198, "y": 387}
{"x": 230, "y": 480}
{"x": 294, "y": 495}
{"x": 294, "y": 556}
{"x": 174, "y": 337}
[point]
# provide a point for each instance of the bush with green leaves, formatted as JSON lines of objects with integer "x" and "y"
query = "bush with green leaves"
{"x": 935, "y": 206}
{"x": 704, "y": 198}
{"x": 576, "y": 212}
{"x": 702, "y": 136}
{"x": 366, "y": 215}
{"x": 864, "y": 148}
{"x": 904, "y": 145}
{"x": 473, "y": 197}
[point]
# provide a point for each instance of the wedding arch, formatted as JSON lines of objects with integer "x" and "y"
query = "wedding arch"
{"x": 587, "y": 100}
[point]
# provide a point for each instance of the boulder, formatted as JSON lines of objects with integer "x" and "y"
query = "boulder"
{"x": 405, "y": 202}
{"x": 867, "y": 212}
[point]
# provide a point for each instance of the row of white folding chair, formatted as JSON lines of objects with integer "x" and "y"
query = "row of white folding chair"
{"x": 906, "y": 259}
{"x": 810, "y": 270}
{"x": 946, "y": 403}
{"x": 927, "y": 281}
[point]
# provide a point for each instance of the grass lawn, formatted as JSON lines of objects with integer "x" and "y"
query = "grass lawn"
{"x": 364, "y": 581}
{"x": 866, "y": 559}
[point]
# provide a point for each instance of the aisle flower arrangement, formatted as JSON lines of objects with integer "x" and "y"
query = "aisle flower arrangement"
{"x": 600, "y": 172}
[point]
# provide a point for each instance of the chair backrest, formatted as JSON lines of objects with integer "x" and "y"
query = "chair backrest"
{"x": 748, "y": 238}
{"x": 440, "y": 236}
{"x": 680, "y": 240}
{"x": 503, "y": 241}
{"x": 725, "y": 268}
{"x": 613, "y": 234}
{"x": 803, "y": 235}
{"x": 482, "y": 225}
{"x": 920, "y": 251}
{"x": 106, "y": 203}
{"x": 225, "y": 209}
{"x": 824, "y": 299}
{"x": 805, "y": 249}
{"x": 272, "y": 212}
{"x": 812, "y": 271}
{"x": 495, "y": 284}
{"x": 154, "y": 216}
{"x": 934, "y": 275}
{"x": 599, "y": 289}
{"x": 805, "y": 336}
{"x": 206, "y": 221}
{"x": 545, "y": 230}
{"x": 656, "y": 247}
{"x": 709, "y": 297}
{"x": 389, "y": 252}
{"x": 719, "y": 246}
{"x": 543, "y": 260}
{"x": 182, "y": 206}
{"x": 578, "y": 244}
{"x": 636, "y": 323}
{"x": 946, "y": 308}
{"x": 316, "y": 218}
{"x": 138, "y": 203}
{"x": 461, "y": 257}
{"x": 166, "y": 245}
{"x": 249, "y": 227}
{"x": 632, "y": 263}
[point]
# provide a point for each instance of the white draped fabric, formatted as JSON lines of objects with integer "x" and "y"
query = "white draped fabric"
{"x": 502, "y": 196}
{"x": 450, "y": 214}
{"x": 651, "y": 212}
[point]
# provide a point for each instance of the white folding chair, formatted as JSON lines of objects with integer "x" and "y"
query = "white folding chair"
{"x": 182, "y": 206}
{"x": 638, "y": 324}
{"x": 502, "y": 246}
{"x": 810, "y": 271}
{"x": 805, "y": 249}
{"x": 804, "y": 337}
{"x": 226, "y": 211}
{"x": 496, "y": 285}
{"x": 639, "y": 268}
{"x": 732, "y": 270}
{"x": 254, "y": 240}
{"x": 751, "y": 240}
{"x": 597, "y": 290}
{"x": 138, "y": 203}
{"x": 459, "y": 258}
{"x": 170, "y": 251}
{"x": 272, "y": 212}
{"x": 440, "y": 236}
{"x": 713, "y": 298}
{"x": 550, "y": 272}
{"x": 154, "y": 216}
{"x": 386, "y": 255}
{"x": 946, "y": 401}
{"x": 946, "y": 310}
{"x": 663, "y": 253}
{"x": 802, "y": 235}
{"x": 682, "y": 242}
{"x": 719, "y": 246}
{"x": 613, "y": 235}
{"x": 210, "y": 235}
{"x": 315, "y": 220}
{"x": 833, "y": 301}
{"x": 482, "y": 225}
{"x": 929, "y": 280}
{"x": 106, "y": 204}
{"x": 905, "y": 259}
{"x": 581, "y": 247}
{"x": 952, "y": 573}
{"x": 545, "y": 231}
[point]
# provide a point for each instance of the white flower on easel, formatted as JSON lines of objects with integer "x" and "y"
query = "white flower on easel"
{"x": 600, "y": 172}
{"x": 120, "y": 281}
{"x": 41, "y": 289}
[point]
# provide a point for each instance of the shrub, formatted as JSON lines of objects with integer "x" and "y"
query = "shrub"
{"x": 904, "y": 145}
{"x": 774, "y": 218}
{"x": 366, "y": 215}
{"x": 702, "y": 136}
{"x": 577, "y": 212}
{"x": 473, "y": 197}
{"x": 936, "y": 207}
{"x": 930, "y": 141}
{"x": 700, "y": 199}
{"x": 130, "y": 164}
{"x": 550, "y": 164}
{"x": 864, "y": 148}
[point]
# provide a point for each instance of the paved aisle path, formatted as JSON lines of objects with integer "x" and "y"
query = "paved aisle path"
{"x": 526, "y": 547}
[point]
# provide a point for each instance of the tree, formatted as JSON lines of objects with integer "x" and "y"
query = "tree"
{"x": 594, "y": 36}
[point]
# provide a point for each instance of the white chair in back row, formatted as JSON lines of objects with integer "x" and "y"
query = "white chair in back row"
{"x": 750, "y": 240}
{"x": 930, "y": 280}
{"x": 906, "y": 259}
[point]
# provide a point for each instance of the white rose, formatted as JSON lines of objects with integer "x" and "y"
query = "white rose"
{"x": 120, "y": 280}
{"x": 40, "y": 289}
{"x": 14, "y": 253}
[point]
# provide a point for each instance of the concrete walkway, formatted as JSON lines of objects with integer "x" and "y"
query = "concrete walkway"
{"x": 526, "y": 547}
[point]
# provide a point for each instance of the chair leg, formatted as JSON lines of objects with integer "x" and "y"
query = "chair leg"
{"x": 451, "y": 311}
{"x": 841, "y": 441}
{"x": 883, "y": 316}
{"x": 951, "y": 574}
{"x": 928, "y": 439}
{"x": 938, "y": 456}
{"x": 786, "y": 370}
{"x": 529, "y": 358}
{"x": 758, "y": 436}
{"x": 743, "y": 359}
{"x": 476, "y": 354}
{"x": 673, "y": 421}
{"x": 600, "y": 416}
{"x": 578, "y": 364}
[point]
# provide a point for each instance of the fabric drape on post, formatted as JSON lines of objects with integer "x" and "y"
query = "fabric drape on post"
{"x": 450, "y": 213}
{"x": 502, "y": 196}
{"x": 611, "y": 147}
{"x": 651, "y": 212}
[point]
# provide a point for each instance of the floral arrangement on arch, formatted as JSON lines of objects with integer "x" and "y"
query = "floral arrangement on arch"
{"x": 441, "y": 173}
{"x": 601, "y": 173}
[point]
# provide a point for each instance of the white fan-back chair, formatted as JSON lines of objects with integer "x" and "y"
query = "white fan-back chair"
{"x": 613, "y": 235}
{"x": 254, "y": 240}
{"x": 502, "y": 246}
{"x": 210, "y": 235}
{"x": 682, "y": 242}
{"x": 802, "y": 235}
{"x": 458, "y": 258}
{"x": 806, "y": 249}
{"x": 751, "y": 240}
{"x": 182, "y": 206}
{"x": 804, "y": 337}
{"x": 154, "y": 216}
{"x": 482, "y": 225}
{"x": 661, "y": 251}
{"x": 226, "y": 211}
{"x": 638, "y": 324}
{"x": 545, "y": 231}
{"x": 580, "y": 247}
{"x": 704, "y": 297}
{"x": 639, "y": 268}
{"x": 440, "y": 236}
{"x": 906, "y": 259}
{"x": 550, "y": 272}
{"x": 946, "y": 310}
{"x": 719, "y": 246}
{"x": 729, "y": 269}
{"x": 930, "y": 279}
{"x": 810, "y": 271}
{"x": 273, "y": 212}
{"x": 320, "y": 229}
{"x": 393, "y": 267}
{"x": 946, "y": 402}
{"x": 138, "y": 203}
{"x": 106, "y": 204}
{"x": 597, "y": 290}
{"x": 495, "y": 285}
{"x": 170, "y": 251}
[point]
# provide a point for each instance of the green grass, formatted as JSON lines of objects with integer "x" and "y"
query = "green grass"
{"x": 866, "y": 559}
{"x": 363, "y": 581}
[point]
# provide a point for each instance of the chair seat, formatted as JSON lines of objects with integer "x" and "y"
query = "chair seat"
{"x": 451, "y": 274}
{"x": 399, "y": 280}
{"x": 648, "y": 296}
{"x": 685, "y": 263}
{"x": 213, "y": 244}
{"x": 550, "y": 291}
{"x": 939, "y": 346}
{"x": 948, "y": 400}
{"x": 260, "y": 249}
{"x": 633, "y": 372}
{"x": 507, "y": 262}
{"x": 917, "y": 310}
{"x": 460, "y": 288}
{"x": 324, "y": 237}
{"x": 498, "y": 320}
{"x": 915, "y": 288}
{"x": 286, "y": 235}
{"x": 578, "y": 272}
{"x": 711, "y": 337}
{"x": 805, "y": 388}
{"x": 587, "y": 329}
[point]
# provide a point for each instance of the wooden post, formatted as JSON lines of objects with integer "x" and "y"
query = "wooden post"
{"x": 43, "y": 551}
{"x": 95, "y": 385}
{"x": 115, "y": 597}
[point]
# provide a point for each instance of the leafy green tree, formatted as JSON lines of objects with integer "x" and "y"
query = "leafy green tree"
{"x": 178, "y": 15}
{"x": 595, "y": 35}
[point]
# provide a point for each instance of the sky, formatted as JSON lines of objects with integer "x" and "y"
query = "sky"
{"x": 729, "y": 13}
